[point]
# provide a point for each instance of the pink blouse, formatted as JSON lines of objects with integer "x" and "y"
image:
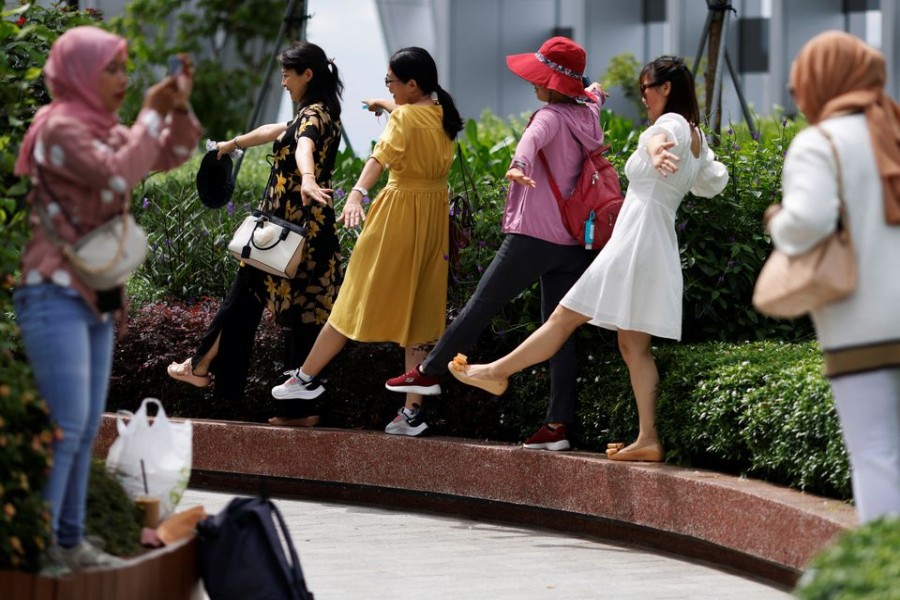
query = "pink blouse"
{"x": 534, "y": 211}
{"x": 92, "y": 179}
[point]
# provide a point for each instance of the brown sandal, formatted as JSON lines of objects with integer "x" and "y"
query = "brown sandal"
{"x": 651, "y": 453}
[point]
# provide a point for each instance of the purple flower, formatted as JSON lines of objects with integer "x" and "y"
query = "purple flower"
{"x": 168, "y": 242}
{"x": 446, "y": 257}
{"x": 480, "y": 268}
{"x": 482, "y": 243}
{"x": 730, "y": 131}
{"x": 784, "y": 121}
{"x": 721, "y": 280}
{"x": 756, "y": 136}
{"x": 230, "y": 208}
{"x": 735, "y": 147}
{"x": 681, "y": 226}
{"x": 451, "y": 211}
{"x": 366, "y": 200}
{"x": 339, "y": 193}
{"x": 145, "y": 203}
{"x": 503, "y": 189}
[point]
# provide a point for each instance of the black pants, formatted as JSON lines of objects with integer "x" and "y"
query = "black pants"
{"x": 518, "y": 263}
{"x": 236, "y": 322}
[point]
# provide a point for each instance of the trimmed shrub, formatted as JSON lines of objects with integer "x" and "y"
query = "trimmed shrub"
{"x": 111, "y": 514}
{"x": 862, "y": 563}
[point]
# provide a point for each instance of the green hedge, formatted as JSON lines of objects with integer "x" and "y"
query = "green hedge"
{"x": 863, "y": 564}
{"x": 748, "y": 409}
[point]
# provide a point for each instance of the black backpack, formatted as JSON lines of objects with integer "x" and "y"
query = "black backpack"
{"x": 242, "y": 558}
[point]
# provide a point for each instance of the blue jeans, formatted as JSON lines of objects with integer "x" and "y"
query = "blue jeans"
{"x": 70, "y": 349}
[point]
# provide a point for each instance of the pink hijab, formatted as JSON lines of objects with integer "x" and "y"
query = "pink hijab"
{"x": 72, "y": 74}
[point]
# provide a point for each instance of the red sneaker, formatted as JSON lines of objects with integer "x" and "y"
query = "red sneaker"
{"x": 414, "y": 383}
{"x": 548, "y": 439}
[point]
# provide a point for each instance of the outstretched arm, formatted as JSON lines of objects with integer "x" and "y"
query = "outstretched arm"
{"x": 264, "y": 134}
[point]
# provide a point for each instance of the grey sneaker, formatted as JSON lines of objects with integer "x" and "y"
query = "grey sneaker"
{"x": 85, "y": 555}
{"x": 405, "y": 425}
{"x": 53, "y": 563}
{"x": 297, "y": 389}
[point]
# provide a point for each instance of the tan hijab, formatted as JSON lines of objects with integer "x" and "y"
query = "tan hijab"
{"x": 836, "y": 72}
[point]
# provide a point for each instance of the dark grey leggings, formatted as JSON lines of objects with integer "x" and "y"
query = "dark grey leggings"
{"x": 518, "y": 263}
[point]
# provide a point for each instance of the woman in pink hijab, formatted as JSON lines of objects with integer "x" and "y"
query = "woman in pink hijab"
{"x": 83, "y": 165}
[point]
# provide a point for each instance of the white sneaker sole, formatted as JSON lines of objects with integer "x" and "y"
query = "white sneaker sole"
{"x": 560, "y": 445}
{"x": 279, "y": 393}
{"x": 392, "y": 429}
{"x": 431, "y": 390}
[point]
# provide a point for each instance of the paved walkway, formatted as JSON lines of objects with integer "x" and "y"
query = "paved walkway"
{"x": 360, "y": 553}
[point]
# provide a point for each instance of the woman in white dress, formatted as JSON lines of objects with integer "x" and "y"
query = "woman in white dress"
{"x": 634, "y": 286}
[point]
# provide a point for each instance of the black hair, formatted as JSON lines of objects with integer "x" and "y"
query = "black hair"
{"x": 326, "y": 85}
{"x": 416, "y": 63}
{"x": 682, "y": 98}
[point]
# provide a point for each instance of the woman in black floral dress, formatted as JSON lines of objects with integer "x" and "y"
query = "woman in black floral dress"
{"x": 304, "y": 154}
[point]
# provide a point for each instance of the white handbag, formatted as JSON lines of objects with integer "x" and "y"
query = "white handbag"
{"x": 270, "y": 244}
{"x": 105, "y": 257}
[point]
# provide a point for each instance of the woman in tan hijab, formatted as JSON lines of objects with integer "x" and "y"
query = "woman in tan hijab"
{"x": 838, "y": 82}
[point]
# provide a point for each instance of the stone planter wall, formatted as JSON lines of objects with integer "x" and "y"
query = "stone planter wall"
{"x": 168, "y": 573}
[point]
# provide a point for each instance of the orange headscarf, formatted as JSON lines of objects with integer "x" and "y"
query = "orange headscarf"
{"x": 836, "y": 72}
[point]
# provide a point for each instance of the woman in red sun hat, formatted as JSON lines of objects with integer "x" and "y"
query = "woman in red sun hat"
{"x": 537, "y": 245}
{"x": 634, "y": 286}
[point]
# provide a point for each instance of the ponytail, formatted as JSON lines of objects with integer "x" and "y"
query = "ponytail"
{"x": 452, "y": 122}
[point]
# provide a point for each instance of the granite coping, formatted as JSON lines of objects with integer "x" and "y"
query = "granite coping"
{"x": 762, "y": 529}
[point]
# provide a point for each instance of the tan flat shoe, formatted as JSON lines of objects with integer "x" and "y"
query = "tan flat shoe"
{"x": 458, "y": 368}
{"x": 652, "y": 453}
{"x": 184, "y": 372}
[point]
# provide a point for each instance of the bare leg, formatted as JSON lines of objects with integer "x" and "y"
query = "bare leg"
{"x": 635, "y": 349}
{"x": 329, "y": 342}
{"x": 414, "y": 355}
{"x": 540, "y": 346}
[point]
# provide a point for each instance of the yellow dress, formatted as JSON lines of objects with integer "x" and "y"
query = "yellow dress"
{"x": 395, "y": 287}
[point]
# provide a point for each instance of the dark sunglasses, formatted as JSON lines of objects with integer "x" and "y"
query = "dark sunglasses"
{"x": 647, "y": 86}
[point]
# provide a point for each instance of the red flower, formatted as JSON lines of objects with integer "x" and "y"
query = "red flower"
{"x": 21, "y": 21}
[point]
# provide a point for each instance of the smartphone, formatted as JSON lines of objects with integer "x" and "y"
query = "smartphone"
{"x": 175, "y": 66}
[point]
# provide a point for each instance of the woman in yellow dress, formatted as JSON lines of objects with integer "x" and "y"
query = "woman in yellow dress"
{"x": 395, "y": 287}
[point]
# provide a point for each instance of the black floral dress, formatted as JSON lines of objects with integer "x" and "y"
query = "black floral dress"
{"x": 309, "y": 296}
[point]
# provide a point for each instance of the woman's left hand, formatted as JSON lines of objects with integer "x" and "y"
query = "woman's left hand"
{"x": 310, "y": 190}
{"x": 596, "y": 88}
{"x": 353, "y": 213}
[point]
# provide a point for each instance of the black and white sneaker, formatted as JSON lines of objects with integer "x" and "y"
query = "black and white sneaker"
{"x": 406, "y": 424}
{"x": 296, "y": 388}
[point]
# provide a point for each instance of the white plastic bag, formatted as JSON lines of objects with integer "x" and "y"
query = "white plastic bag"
{"x": 165, "y": 448}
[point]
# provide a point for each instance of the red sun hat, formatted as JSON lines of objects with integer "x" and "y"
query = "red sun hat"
{"x": 558, "y": 66}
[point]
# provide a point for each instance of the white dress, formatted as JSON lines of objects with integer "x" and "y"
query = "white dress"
{"x": 635, "y": 283}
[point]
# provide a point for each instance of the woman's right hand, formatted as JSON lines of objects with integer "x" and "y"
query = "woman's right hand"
{"x": 379, "y": 105}
{"x": 517, "y": 176}
{"x": 162, "y": 96}
{"x": 353, "y": 213}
